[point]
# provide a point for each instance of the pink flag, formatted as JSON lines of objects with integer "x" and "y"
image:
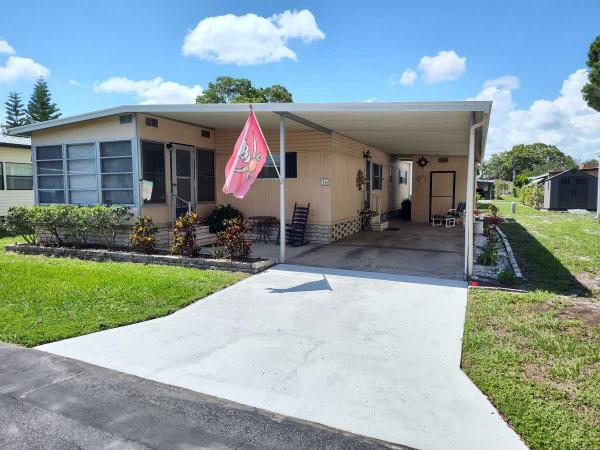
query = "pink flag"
{"x": 249, "y": 156}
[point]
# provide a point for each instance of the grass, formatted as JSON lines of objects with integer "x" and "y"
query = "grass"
{"x": 536, "y": 355}
{"x": 45, "y": 299}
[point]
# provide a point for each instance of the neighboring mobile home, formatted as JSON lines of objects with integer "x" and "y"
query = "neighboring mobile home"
{"x": 16, "y": 180}
{"x": 431, "y": 148}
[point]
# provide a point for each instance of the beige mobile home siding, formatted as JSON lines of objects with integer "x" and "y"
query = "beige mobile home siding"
{"x": 14, "y": 198}
{"x": 348, "y": 159}
{"x": 421, "y": 177}
{"x": 104, "y": 129}
{"x": 314, "y": 162}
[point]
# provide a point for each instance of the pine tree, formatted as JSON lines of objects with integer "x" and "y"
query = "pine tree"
{"x": 40, "y": 107}
{"x": 15, "y": 110}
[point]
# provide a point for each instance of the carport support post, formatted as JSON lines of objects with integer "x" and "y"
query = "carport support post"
{"x": 282, "y": 237}
{"x": 470, "y": 201}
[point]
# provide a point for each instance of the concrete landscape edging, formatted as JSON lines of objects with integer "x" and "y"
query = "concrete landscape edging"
{"x": 250, "y": 267}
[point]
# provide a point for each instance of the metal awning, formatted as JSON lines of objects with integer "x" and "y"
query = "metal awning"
{"x": 398, "y": 128}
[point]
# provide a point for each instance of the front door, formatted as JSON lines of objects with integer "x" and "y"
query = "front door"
{"x": 442, "y": 189}
{"x": 182, "y": 176}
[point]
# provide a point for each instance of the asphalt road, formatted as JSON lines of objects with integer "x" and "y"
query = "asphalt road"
{"x": 53, "y": 402}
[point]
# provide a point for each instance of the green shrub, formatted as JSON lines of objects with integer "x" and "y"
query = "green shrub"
{"x": 217, "y": 252}
{"x": 489, "y": 254}
{"x": 73, "y": 223}
{"x": 235, "y": 238}
{"x": 108, "y": 220}
{"x": 533, "y": 196}
{"x": 143, "y": 235}
{"x": 222, "y": 213}
{"x": 19, "y": 222}
{"x": 184, "y": 234}
{"x": 507, "y": 277}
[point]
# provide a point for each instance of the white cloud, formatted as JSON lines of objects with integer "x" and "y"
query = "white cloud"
{"x": 408, "y": 77}
{"x": 566, "y": 121}
{"x": 150, "y": 92}
{"x": 19, "y": 68}
{"x": 370, "y": 100}
{"x": 251, "y": 39}
{"x": 74, "y": 83}
{"x": 445, "y": 66}
{"x": 509, "y": 82}
{"x": 6, "y": 48}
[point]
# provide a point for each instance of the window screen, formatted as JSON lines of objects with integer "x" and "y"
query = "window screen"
{"x": 153, "y": 168}
{"x": 377, "y": 176}
{"x": 50, "y": 174}
{"x": 19, "y": 176}
{"x": 205, "y": 168}
{"x": 116, "y": 167}
{"x": 291, "y": 166}
{"x": 82, "y": 174}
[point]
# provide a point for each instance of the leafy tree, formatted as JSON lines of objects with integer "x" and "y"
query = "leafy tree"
{"x": 591, "y": 162}
{"x": 240, "y": 90}
{"x": 591, "y": 91}
{"x": 40, "y": 107}
{"x": 527, "y": 159}
{"x": 15, "y": 110}
{"x": 521, "y": 180}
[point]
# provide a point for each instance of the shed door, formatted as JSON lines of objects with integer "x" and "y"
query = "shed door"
{"x": 442, "y": 189}
{"x": 572, "y": 192}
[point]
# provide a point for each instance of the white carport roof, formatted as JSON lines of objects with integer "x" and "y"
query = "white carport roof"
{"x": 399, "y": 128}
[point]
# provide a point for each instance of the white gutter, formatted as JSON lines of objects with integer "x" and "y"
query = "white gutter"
{"x": 470, "y": 200}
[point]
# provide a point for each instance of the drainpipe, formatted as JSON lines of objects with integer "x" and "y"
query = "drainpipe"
{"x": 470, "y": 200}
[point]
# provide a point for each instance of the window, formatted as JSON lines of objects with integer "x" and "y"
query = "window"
{"x": 82, "y": 174}
{"x": 127, "y": 118}
{"x": 50, "y": 174}
{"x": 116, "y": 168}
{"x": 291, "y": 166}
{"x": 377, "y": 176}
{"x": 205, "y": 168}
{"x": 1, "y": 177}
{"x": 402, "y": 177}
{"x": 205, "y": 133}
{"x": 151, "y": 122}
{"x": 19, "y": 176}
{"x": 153, "y": 168}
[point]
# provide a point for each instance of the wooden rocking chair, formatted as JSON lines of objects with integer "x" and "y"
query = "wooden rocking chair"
{"x": 296, "y": 230}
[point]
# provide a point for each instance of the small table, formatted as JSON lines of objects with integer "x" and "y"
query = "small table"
{"x": 365, "y": 220}
{"x": 263, "y": 227}
{"x": 439, "y": 221}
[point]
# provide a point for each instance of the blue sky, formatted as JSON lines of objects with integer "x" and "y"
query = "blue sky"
{"x": 526, "y": 56}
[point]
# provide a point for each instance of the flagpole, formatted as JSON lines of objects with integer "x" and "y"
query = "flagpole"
{"x": 282, "y": 237}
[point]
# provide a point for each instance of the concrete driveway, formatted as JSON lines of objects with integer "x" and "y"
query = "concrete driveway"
{"x": 369, "y": 353}
{"x": 406, "y": 248}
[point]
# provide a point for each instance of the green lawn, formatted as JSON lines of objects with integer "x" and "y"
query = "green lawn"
{"x": 536, "y": 355}
{"x": 46, "y": 299}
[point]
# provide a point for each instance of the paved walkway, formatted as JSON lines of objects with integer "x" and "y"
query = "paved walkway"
{"x": 52, "y": 402}
{"x": 372, "y": 354}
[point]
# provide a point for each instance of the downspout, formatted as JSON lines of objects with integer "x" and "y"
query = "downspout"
{"x": 470, "y": 200}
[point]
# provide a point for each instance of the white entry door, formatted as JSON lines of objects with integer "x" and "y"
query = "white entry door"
{"x": 182, "y": 179}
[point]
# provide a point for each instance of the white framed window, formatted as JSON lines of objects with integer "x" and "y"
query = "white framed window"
{"x": 50, "y": 174}
{"x": 116, "y": 172}
{"x": 82, "y": 174}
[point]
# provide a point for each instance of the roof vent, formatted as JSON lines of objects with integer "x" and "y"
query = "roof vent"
{"x": 151, "y": 122}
